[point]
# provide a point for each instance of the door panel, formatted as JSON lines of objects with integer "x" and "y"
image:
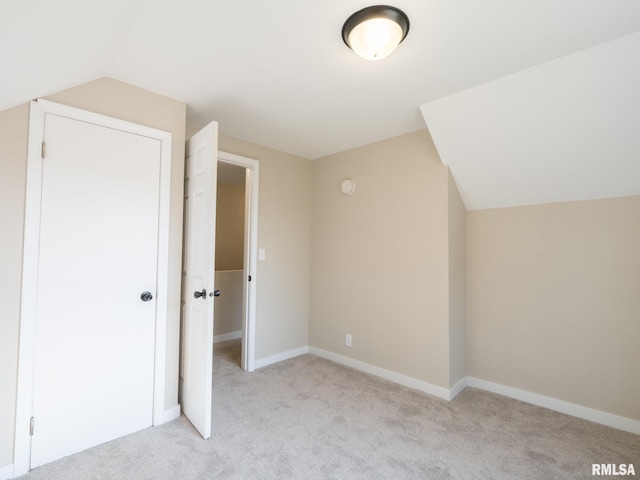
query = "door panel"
{"x": 94, "y": 340}
{"x": 198, "y": 273}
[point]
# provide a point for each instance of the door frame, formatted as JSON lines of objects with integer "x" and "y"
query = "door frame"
{"x": 249, "y": 288}
{"x": 30, "y": 267}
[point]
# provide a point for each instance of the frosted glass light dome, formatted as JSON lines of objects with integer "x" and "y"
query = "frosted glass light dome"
{"x": 374, "y": 32}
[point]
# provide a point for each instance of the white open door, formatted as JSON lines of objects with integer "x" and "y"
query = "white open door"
{"x": 198, "y": 275}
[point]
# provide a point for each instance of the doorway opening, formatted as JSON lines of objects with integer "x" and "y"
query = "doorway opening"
{"x": 229, "y": 253}
{"x": 236, "y": 253}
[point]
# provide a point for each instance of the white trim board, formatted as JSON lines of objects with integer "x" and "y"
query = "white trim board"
{"x": 458, "y": 387}
{"x": 279, "y": 357}
{"x": 171, "y": 414}
{"x": 398, "y": 378}
{"x": 6, "y": 472}
{"x": 579, "y": 411}
{"x": 223, "y": 337}
{"x": 575, "y": 410}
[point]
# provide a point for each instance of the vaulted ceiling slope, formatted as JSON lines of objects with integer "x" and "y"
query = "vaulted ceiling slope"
{"x": 277, "y": 73}
{"x": 564, "y": 130}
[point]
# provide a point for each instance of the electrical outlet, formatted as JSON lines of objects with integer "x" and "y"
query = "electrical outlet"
{"x": 347, "y": 340}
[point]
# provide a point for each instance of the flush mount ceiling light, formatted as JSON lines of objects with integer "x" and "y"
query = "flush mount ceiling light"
{"x": 375, "y": 32}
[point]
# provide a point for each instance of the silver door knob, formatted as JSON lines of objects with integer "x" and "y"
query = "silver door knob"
{"x": 146, "y": 296}
{"x": 202, "y": 294}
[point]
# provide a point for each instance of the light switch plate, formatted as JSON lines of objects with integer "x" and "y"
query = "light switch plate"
{"x": 262, "y": 254}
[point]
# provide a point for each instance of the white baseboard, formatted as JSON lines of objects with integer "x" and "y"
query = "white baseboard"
{"x": 398, "y": 378}
{"x": 227, "y": 336}
{"x": 170, "y": 414}
{"x": 458, "y": 387}
{"x": 6, "y": 472}
{"x": 279, "y": 357}
{"x": 586, "y": 413}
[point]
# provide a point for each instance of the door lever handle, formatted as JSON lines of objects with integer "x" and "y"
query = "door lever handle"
{"x": 202, "y": 294}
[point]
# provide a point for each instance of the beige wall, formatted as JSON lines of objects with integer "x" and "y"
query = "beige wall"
{"x": 457, "y": 283}
{"x": 111, "y": 98}
{"x": 230, "y": 227}
{"x": 545, "y": 297}
{"x": 14, "y": 125}
{"x": 554, "y": 301}
{"x": 380, "y": 257}
{"x": 284, "y": 230}
{"x": 227, "y": 313}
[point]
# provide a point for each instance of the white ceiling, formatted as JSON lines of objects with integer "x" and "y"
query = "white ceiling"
{"x": 277, "y": 73}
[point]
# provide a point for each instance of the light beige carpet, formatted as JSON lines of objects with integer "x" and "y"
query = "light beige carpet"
{"x": 308, "y": 418}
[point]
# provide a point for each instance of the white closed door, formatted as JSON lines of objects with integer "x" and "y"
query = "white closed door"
{"x": 94, "y": 337}
{"x": 196, "y": 372}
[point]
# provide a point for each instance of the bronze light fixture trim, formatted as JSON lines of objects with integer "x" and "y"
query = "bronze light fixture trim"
{"x": 374, "y": 32}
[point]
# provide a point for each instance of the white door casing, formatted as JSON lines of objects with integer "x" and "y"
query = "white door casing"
{"x": 91, "y": 360}
{"x": 196, "y": 369}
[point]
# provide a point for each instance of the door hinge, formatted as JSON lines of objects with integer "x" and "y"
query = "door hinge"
{"x": 44, "y": 149}
{"x": 249, "y": 277}
{"x": 31, "y": 427}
